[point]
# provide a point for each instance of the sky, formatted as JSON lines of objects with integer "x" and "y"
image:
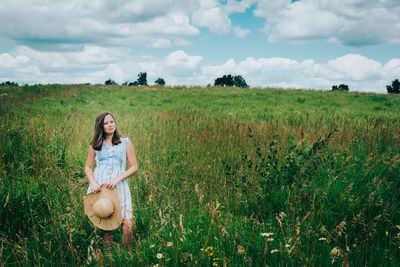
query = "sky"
{"x": 307, "y": 44}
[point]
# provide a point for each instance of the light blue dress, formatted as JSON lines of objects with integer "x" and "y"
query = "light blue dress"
{"x": 110, "y": 163}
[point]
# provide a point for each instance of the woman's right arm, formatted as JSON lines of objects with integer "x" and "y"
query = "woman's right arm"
{"x": 89, "y": 170}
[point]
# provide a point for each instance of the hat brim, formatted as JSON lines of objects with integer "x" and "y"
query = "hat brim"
{"x": 109, "y": 223}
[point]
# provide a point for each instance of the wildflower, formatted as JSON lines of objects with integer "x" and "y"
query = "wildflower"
{"x": 273, "y": 251}
{"x": 215, "y": 264}
{"x": 270, "y": 239}
{"x": 155, "y": 265}
{"x": 267, "y": 234}
{"x": 209, "y": 251}
{"x": 169, "y": 244}
{"x": 322, "y": 239}
{"x": 152, "y": 246}
{"x": 159, "y": 256}
{"x": 287, "y": 245}
{"x": 240, "y": 249}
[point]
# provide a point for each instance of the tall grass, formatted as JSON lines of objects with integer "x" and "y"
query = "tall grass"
{"x": 220, "y": 169}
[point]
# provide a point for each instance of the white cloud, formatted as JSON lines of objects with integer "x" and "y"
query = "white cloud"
{"x": 101, "y": 22}
{"x": 391, "y": 70}
{"x": 234, "y": 6}
{"x": 354, "y": 67}
{"x": 240, "y": 32}
{"x": 174, "y": 23}
{"x": 159, "y": 43}
{"x": 215, "y": 16}
{"x": 120, "y": 22}
{"x": 353, "y": 23}
{"x": 94, "y": 64}
{"x": 57, "y": 25}
{"x": 180, "y": 64}
{"x": 181, "y": 59}
{"x": 181, "y": 42}
{"x": 211, "y": 15}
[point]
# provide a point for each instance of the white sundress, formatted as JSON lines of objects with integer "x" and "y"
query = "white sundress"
{"x": 110, "y": 163}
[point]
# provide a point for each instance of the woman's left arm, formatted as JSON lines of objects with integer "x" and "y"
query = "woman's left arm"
{"x": 130, "y": 153}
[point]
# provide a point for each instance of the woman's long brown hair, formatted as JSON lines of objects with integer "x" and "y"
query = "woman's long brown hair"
{"x": 99, "y": 134}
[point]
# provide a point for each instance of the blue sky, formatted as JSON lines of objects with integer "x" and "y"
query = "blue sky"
{"x": 309, "y": 44}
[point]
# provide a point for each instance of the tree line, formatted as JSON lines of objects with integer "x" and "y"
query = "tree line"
{"x": 225, "y": 80}
{"x": 394, "y": 88}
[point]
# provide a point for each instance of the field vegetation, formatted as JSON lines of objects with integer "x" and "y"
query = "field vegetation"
{"x": 227, "y": 176}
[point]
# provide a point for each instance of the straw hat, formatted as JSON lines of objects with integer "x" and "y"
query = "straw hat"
{"x": 103, "y": 208}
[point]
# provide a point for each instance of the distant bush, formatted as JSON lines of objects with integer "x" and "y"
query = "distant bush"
{"x": 135, "y": 83}
{"x": 110, "y": 82}
{"x": 395, "y": 88}
{"x": 8, "y": 83}
{"x": 160, "y": 81}
{"x": 229, "y": 80}
{"x": 342, "y": 87}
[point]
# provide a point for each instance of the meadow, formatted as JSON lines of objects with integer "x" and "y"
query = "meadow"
{"x": 227, "y": 176}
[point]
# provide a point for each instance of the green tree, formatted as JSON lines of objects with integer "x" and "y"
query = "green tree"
{"x": 8, "y": 83}
{"x": 110, "y": 82}
{"x": 394, "y": 88}
{"x": 160, "y": 81}
{"x": 239, "y": 81}
{"x": 229, "y": 80}
{"x": 341, "y": 87}
{"x": 226, "y": 80}
{"x": 142, "y": 78}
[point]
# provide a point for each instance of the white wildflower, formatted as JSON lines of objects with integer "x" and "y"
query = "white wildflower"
{"x": 159, "y": 256}
{"x": 273, "y": 251}
{"x": 287, "y": 245}
{"x": 270, "y": 239}
{"x": 322, "y": 239}
{"x": 266, "y": 234}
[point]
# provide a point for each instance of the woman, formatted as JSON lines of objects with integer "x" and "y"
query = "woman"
{"x": 111, "y": 151}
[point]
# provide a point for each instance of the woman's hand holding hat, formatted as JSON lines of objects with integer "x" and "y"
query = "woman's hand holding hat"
{"x": 112, "y": 183}
{"x": 103, "y": 208}
{"x": 95, "y": 187}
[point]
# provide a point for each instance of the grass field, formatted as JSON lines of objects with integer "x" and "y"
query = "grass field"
{"x": 227, "y": 177}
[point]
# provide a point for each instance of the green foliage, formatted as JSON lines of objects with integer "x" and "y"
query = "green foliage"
{"x": 142, "y": 78}
{"x": 226, "y": 80}
{"x": 160, "y": 81}
{"x": 8, "y": 83}
{"x": 229, "y": 80}
{"x": 341, "y": 87}
{"x": 135, "y": 83}
{"x": 239, "y": 81}
{"x": 110, "y": 82}
{"x": 394, "y": 88}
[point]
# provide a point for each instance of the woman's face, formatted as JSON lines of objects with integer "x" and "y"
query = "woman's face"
{"x": 109, "y": 125}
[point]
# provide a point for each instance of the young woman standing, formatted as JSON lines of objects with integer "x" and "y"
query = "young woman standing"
{"x": 111, "y": 151}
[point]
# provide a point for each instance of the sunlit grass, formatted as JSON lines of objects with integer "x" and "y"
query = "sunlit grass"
{"x": 226, "y": 176}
